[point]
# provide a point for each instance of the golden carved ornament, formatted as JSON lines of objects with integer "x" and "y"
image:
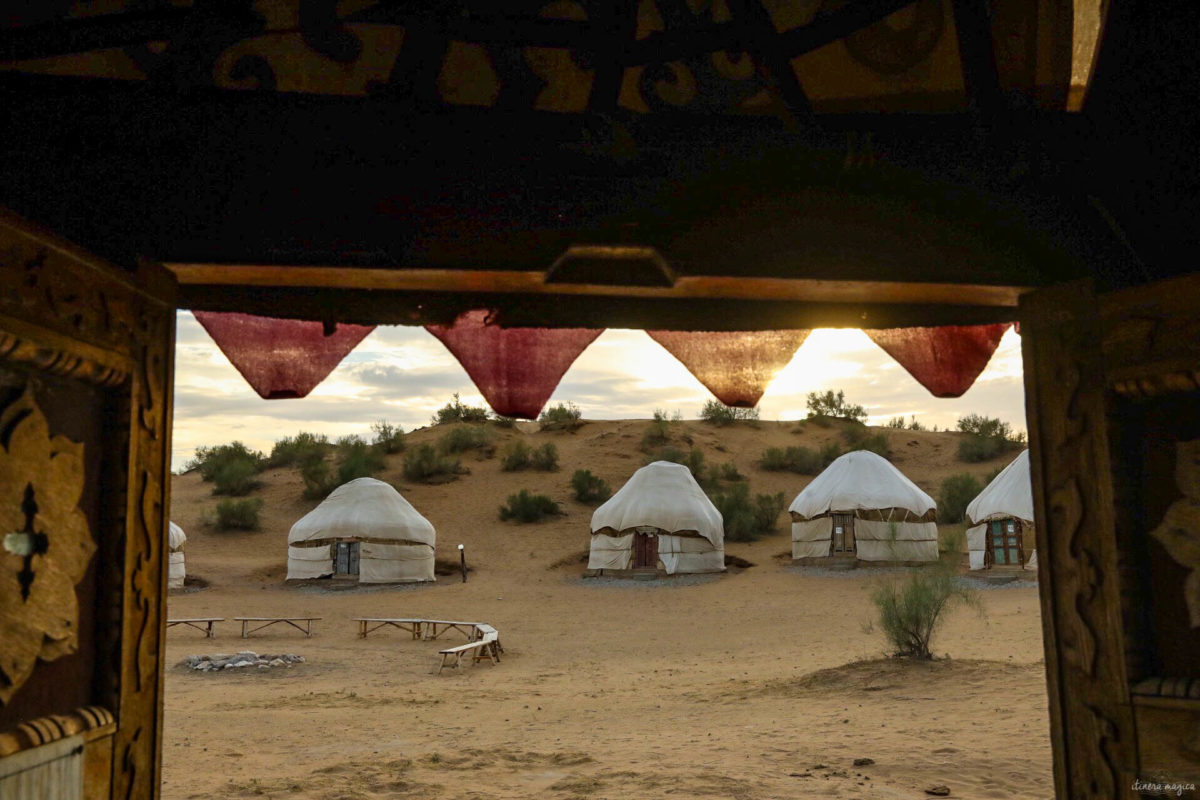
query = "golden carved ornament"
{"x": 45, "y": 543}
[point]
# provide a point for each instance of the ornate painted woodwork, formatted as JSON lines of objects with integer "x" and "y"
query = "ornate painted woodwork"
{"x": 85, "y": 391}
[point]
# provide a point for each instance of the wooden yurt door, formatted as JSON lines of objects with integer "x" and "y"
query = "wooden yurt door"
{"x": 1004, "y": 543}
{"x": 645, "y": 550}
{"x": 843, "y": 535}
{"x": 346, "y": 559}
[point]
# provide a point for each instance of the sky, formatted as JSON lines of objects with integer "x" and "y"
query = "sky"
{"x": 403, "y": 375}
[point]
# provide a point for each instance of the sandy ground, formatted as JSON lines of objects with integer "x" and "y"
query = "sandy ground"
{"x": 757, "y": 684}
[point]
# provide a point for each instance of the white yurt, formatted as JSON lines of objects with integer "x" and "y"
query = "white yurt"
{"x": 364, "y": 529}
{"x": 176, "y": 571}
{"x": 862, "y": 507}
{"x": 1001, "y": 519}
{"x": 660, "y": 516}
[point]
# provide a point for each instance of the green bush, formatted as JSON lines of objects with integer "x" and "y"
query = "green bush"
{"x": 357, "y": 459}
{"x": 504, "y": 422}
{"x": 876, "y": 443}
{"x": 728, "y": 471}
{"x": 457, "y": 411}
{"x": 424, "y": 464}
{"x": 834, "y": 405}
{"x": 516, "y": 456}
{"x": 388, "y": 438}
{"x": 209, "y": 460}
{"x": 560, "y": 418}
{"x": 464, "y": 438}
{"x": 671, "y": 453}
{"x": 913, "y": 425}
{"x": 987, "y": 437}
{"x": 830, "y": 452}
{"x": 719, "y": 414}
{"x": 973, "y": 449}
{"x": 955, "y": 495}
{"x": 317, "y": 476}
{"x": 911, "y": 610}
{"x": 527, "y": 507}
{"x": 746, "y": 518}
{"x": 545, "y": 458}
{"x": 235, "y": 478}
{"x": 588, "y": 488}
{"x": 658, "y": 432}
{"x": 800, "y": 460}
{"x": 294, "y": 449}
{"x": 239, "y": 515}
{"x": 895, "y": 423}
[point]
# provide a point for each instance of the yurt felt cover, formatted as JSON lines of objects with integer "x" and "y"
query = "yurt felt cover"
{"x": 515, "y": 369}
{"x": 1009, "y": 495}
{"x": 176, "y": 538}
{"x": 736, "y": 366}
{"x": 393, "y": 533}
{"x": 860, "y": 481}
{"x": 176, "y": 568}
{"x": 945, "y": 360}
{"x": 280, "y": 358}
{"x": 662, "y": 495}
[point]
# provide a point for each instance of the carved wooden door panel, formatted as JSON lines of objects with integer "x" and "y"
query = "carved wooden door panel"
{"x": 1113, "y": 405}
{"x": 85, "y": 428}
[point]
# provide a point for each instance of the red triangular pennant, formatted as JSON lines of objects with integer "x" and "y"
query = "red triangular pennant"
{"x": 944, "y": 360}
{"x": 515, "y": 369}
{"x": 736, "y": 366}
{"x": 280, "y": 358}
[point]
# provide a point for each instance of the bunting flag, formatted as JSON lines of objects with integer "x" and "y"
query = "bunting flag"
{"x": 736, "y": 366}
{"x": 944, "y": 360}
{"x": 515, "y": 369}
{"x": 280, "y": 358}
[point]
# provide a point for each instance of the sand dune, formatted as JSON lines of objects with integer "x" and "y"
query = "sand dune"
{"x": 761, "y": 683}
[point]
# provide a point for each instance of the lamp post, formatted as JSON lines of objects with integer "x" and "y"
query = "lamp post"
{"x": 462, "y": 557}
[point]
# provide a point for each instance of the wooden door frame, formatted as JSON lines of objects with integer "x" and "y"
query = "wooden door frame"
{"x": 853, "y": 551}
{"x": 66, "y": 313}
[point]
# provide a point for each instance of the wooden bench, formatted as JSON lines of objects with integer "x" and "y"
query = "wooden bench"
{"x": 487, "y": 647}
{"x": 368, "y": 624}
{"x": 430, "y": 628}
{"x": 269, "y": 621}
{"x": 202, "y": 624}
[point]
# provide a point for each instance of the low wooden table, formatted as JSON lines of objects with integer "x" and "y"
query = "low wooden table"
{"x": 202, "y": 624}
{"x": 269, "y": 621}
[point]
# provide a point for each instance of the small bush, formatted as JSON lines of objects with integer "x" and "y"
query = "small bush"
{"x": 294, "y": 449}
{"x": 235, "y": 478}
{"x": 719, "y": 414}
{"x": 560, "y": 418}
{"x": 973, "y": 449}
{"x": 545, "y": 458}
{"x": 830, "y": 452}
{"x": 504, "y": 422}
{"x": 424, "y": 464}
{"x": 457, "y": 411}
{"x": 317, "y": 476}
{"x": 876, "y": 443}
{"x": 357, "y": 459}
{"x": 729, "y": 472}
{"x": 388, "y": 438}
{"x": 215, "y": 462}
{"x": 913, "y": 425}
{"x": 239, "y": 515}
{"x": 588, "y": 488}
{"x": 464, "y": 438}
{"x": 986, "y": 438}
{"x": 834, "y": 405}
{"x": 658, "y": 432}
{"x": 516, "y": 456}
{"x": 911, "y": 610}
{"x": 747, "y": 519}
{"x": 526, "y": 507}
{"x": 895, "y": 423}
{"x": 955, "y": 495}
{"x": 800, "y": 460}
{"x": 673, "y": 454}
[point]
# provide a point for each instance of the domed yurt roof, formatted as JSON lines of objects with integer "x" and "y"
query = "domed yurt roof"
{"x": 861, "y": 481}
{"x": 662, "y": 495}
{"x": 175, "y": 536}
{"x": 1010, "y": 494}
{"x": 364, "y": 508}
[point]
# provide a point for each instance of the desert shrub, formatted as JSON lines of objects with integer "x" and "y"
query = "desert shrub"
{"x": 955, "y": 495}
{"x": 830, "y": 452}
{"x": 911, "y": 609}
{"x": 588, "y": 488}
{"x": 913, "y": 425}
{"x": 560, "y": 418}
{"x": 457, "y": 411}
{"x": 357, "y": 459}
{"x": 801, "y": 460}
{"x": 527, "y": 507}
{"x": 516, "y": 456}
{"x": 504, "y": 422}
{"x": 728, "y": 471}
{"x": 317, "y": 476}
{"x": 719, "y": 414}
{"x": 987, "y": 437}
{"x": 746, "y": 518}
{"x": 545, "y": 458}
{"x": 876, "y": 443}
{"x": 424, "y": 464}
{"x": 973, "y": 449}
{"x": 387, "y": 437}
{"x": 671, "y": 453}
{"x": 834, "y": 405}
{"x": 294, "y": 449}
{"x": 235, "y": 478}
{"x": 239, "y": 515}
{"x": 895, "y": 423}
{"x": 209, "y": 460}
{"x": 464, "y": 438}
{"x": 658, "y": 432}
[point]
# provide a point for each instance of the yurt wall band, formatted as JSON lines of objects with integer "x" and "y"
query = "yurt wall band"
{"x": 176, "y": 567}
{"x": 811, "y": 537}
{"x": 610, "y": 552}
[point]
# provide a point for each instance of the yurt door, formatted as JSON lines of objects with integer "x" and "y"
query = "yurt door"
{"x": 843, "y": 534}
{"x": 347, "y": 558}
{"x": 1004, "y": 540}
{"x": 645, "y": 549}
